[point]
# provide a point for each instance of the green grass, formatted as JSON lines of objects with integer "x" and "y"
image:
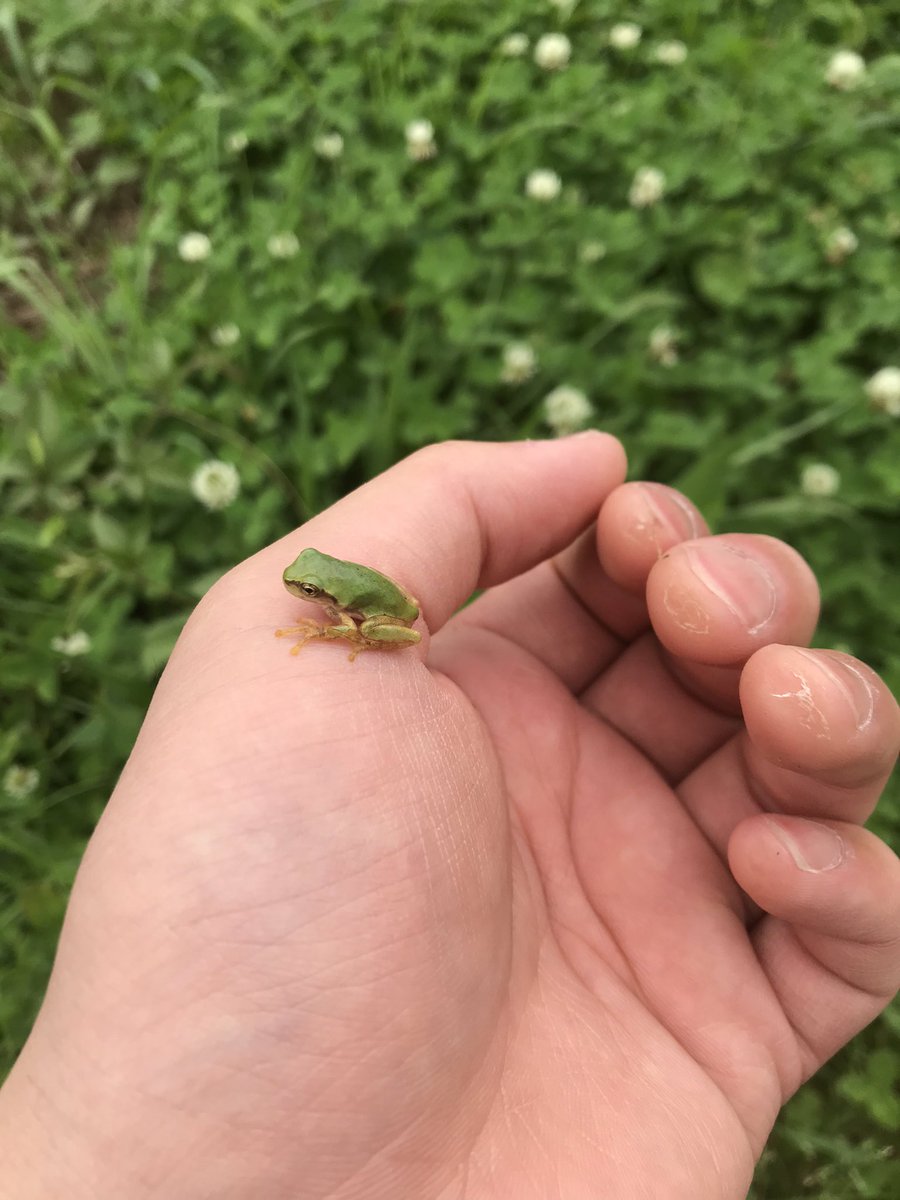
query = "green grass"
{"x": 387, "y": 328}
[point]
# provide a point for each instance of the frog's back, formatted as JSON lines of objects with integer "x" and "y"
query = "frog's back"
{"x": 369, "y": 601}
{"x": 385, "y": 594}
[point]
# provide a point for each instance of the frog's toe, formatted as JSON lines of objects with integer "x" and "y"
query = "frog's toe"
{"x": 305, "y": 632}
{"x": 302, "y": 627}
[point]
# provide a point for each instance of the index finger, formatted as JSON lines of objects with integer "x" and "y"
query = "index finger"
{"x": 458, "y": 516}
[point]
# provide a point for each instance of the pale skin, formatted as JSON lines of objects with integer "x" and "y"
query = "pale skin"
{"x": 563, "y": 901}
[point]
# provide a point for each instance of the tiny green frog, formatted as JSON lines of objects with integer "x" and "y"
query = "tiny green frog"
{"x": 368, "y": 609}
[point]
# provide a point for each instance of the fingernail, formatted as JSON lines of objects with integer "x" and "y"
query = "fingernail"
{"x": 737, "y": 580}
{"x": 813, "y": 847}
{"x": 849, "y": 681}
{"x": 667, "y": 510}
{"x": 803, "y": 698}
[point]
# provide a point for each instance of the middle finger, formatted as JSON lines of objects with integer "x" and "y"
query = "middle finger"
{"x": 712, "y": 603}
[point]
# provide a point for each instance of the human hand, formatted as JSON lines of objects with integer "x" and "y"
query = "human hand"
{"x": 500, "y": 916}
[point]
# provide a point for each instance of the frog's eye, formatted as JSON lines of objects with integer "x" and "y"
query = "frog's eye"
{"x": 309, "y": 589}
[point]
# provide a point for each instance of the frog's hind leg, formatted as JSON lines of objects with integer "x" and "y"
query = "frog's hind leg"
{"x": 347, "y": 629}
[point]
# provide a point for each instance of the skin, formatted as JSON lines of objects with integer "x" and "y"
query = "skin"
{"x": 565, "y": 902}
{"x": 372, "y": 612}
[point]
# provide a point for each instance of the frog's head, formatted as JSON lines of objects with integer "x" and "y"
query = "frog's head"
{"x": 304, "y": 577}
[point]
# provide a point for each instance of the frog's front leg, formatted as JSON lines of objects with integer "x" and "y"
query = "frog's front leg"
{"x": 311, "y": 631}
{"x": 306, "y": 628}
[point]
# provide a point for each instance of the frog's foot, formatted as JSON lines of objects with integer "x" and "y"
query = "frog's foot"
{"x": 306, "y": 629}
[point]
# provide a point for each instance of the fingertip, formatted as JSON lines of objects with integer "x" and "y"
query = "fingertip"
{"x": 606, "y": 446}
{"x": 829, "y": 877}
{"x": 716, "y": 600}
{"x": 638, "y": 523}
{"x": 768, "y": 848}
{"x": 789, "y": 866}
{"x": 821, "y": 712}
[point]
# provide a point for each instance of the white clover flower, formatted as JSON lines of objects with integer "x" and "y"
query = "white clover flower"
{"x": 420, "y": 143}
{"x": 519, "y": 362}
{"x": 625, "y": 35}
{"x": 19, "y": 782}
{"x": 283, "y": 245}
{"x": 329, "y": 145}
{"x": 515, "y": 45}
{"x": 566, "y": 409}
{"x": 591, "y": 251}
{"x": 819, "y": 479}
{"x": 647, "y": 187}
{"x": 543, "y": 185}
{"x": 845, "y": 70}
{"x": 216, "y": 484}
{"x": 840, "y": 243}
{"x": 194, "y": 247}
{"x": 672, "y": 54}
{"x": 73, "y": 645}
{"x": 228, "y": 334}
{"x": 237, "y": 141}
{"x": 663, "y": 346}
{"x": 883, "y": 389}
{"x": 552, "y": 51}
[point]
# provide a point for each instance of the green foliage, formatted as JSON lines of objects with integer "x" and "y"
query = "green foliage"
{"x": 122, "y": 128}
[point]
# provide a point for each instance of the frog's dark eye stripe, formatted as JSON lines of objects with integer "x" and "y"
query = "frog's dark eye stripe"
{"x": 309, "y": 589}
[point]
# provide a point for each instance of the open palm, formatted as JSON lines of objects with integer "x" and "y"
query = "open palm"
{"x": 506, "y": 918}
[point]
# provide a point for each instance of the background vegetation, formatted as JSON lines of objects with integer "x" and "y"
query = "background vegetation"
{"x": 356, "y": 298}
